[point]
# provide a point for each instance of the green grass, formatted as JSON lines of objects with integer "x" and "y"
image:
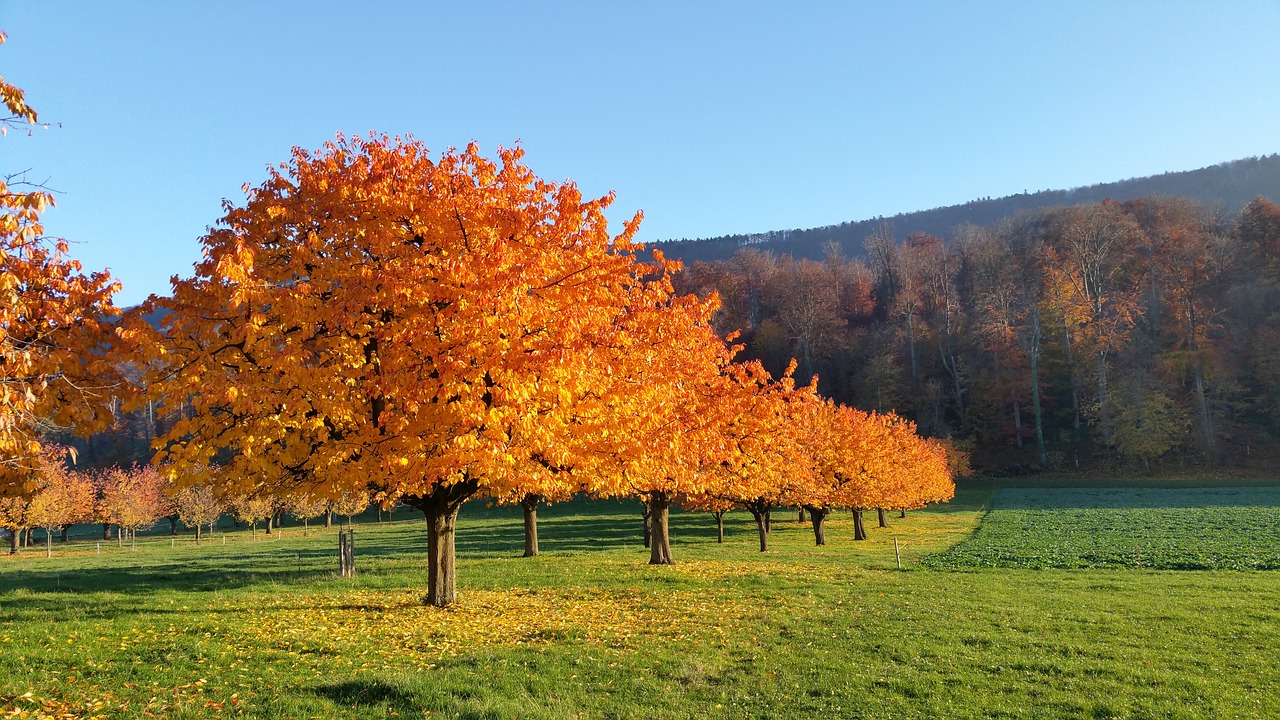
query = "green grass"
{"x": 1215, "y": 528}
{"x": 588, "y": 629}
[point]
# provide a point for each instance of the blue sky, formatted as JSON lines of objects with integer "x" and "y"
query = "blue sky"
{"x": 713, "y": 118}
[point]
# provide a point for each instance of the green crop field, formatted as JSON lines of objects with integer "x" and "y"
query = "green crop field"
{"x": 1173, "y": 529}
{"x": 237, "y": 628}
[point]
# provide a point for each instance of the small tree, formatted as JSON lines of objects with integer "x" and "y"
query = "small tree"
{"x": 65, "y": 497}
{"x": 132, "y": 499}
{"x": 351, "y": 503}
{"x": 251, "y": 509}
{"x": 304, "y": 508}
{"x": 13, "y": 517}
{"x": 197, "y": 506}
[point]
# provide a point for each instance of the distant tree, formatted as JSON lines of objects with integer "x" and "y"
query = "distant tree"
{"x": 132, "y": 498}
{"x": 64, "y": 497}
{"x": 253, "y": 509}
{"x": 197, "y": 506}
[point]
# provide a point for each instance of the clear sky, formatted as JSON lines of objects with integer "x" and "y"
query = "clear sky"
{"x": 713, "y": 118}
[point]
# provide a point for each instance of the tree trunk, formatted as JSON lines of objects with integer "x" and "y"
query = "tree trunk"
{"x": 530, "y": 504}
{"x": 819, "y": 517}
{"x": 173, "y": 524}
{"x": 859, "y": 530}
{"x": 13, "y": 542}
{"x": 48, "y": 542}
{"x": 328, "y": 518}
{"x": 441, "y": 511}
{"x": 761, "y": 528}
{"x": 1104, "y": 411}
{"x": 106, "y": 531}
{"x": 197, "y": 533}
{"x": 660, "y": 538}
{"x": 902, "y": 512}
{"x": 1071, "y": 375}
{"x": 65, "y": 528}
{"x": 1034, "y": 355}
{"x": 768, "y": 520}
{"x": 801, "y": 517}
{"x": 882, "y": 517}
{"x": 254, "y": 531}
{"x": 646, "y": 524}
{"x": 119, "y": 536}
{"x": 1206, "y": 426}
{"x": 719, "y": 516}
{"x": 268, "y": 524}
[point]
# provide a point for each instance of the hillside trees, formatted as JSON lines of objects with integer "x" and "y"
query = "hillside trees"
{"x": 1131, "y": 331}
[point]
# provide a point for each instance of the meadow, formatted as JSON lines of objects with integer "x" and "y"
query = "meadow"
{"x": 588, "y": 629}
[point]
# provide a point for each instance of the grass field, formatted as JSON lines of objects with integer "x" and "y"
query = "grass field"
{"x": 1216, "y": 528}
{"x": 589, "y": 630}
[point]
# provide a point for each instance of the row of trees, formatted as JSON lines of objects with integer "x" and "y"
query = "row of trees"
{"x": 373, "y": 320}
{"x": 1140, "y": 330}
{"x": 136, "y": 498}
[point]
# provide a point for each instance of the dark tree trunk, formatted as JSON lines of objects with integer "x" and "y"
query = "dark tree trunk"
{"x": 328, "y": 517}
{"x": 819, "y": 518}
{"x": 882, "y": 517}
{"x": 197, "y": 533}
{"x": 801, "y": 517}
{"x": 13, "y": 542}
{"x": 719, "y": 516}
{"x": 530, "y": 504}
{"x": 902, "y": 513}
{"x": 441, "y": 510}
{"x": 268, "y": 523}
{"x": 646, "y": 524}
{"x": 173, "y": 524}
{"x": 859, "y": 530}
{"x": 106, "y": 531}
{"x": 660, "y": 539}
{"x": 761, "y": 523}
{"x": 768, "y": 520}
{"x": 65, "y": 528}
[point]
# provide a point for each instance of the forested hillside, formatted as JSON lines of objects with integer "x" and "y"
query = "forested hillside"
{"x": 1224, "y": 188}
{"x": 1140, "y": 333}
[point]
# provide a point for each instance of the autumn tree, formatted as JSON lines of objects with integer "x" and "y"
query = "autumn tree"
{"x": 305, "y": 508}
{"x": 197, "y": 506}
{"x": 132, "y": 498}
{"x": 54, "y": 322}
{"x": 351, "y": 503}
{"x": 64, "y": 497}
{"x": 765, "y": 465}
{"x": 371, "y": 316}
{"x": 13, "y": 517}
{"x": 252, "y": 509}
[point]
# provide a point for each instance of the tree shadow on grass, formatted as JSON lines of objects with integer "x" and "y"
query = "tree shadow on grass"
{"x": 370, "y": 693}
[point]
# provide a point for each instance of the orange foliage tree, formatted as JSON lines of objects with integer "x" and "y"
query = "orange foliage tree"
{"x": 766, "y": 464}
{"x": 64, "y": 498}
{"x": 372, "y": 317}
{"x": 197, "y": 506}
{"x": 53, "y": 323}
{"x": 132, "y": 499}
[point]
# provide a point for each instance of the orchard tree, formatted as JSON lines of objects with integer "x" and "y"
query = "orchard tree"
{"x": 64, "y": 498}
{"x": 13, "y": 517}
{"x": 132, "y": 499}
{"x": 197, "y": 506}
{"x": 373, "y": 317}
{"x": 252, "y": 509}
{"x": 54, "y": 324}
